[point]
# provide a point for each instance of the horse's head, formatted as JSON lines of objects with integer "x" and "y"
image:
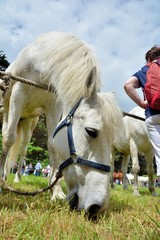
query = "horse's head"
{"x": 83, "y": 142}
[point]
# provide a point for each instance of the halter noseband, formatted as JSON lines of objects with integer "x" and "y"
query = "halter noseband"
{"x": 67, "y": 122}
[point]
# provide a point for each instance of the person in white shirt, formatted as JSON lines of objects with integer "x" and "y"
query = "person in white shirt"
{"x": 38, "y": 168}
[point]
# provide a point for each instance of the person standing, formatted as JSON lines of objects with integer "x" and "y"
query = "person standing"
{"x": 152, "y": 116}
{"x": 48, "y": 170}
{"x": 38, "y": 168}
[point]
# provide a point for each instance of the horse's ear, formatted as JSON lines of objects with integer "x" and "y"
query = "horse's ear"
{"x": 91, "y": 83}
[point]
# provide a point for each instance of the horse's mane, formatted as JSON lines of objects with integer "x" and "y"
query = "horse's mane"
{"x": 60, "y": 59}
{"x": 111, "y": 113}
{"x": 69, "y": 62}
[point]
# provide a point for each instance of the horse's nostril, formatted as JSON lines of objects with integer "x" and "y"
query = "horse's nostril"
{"x": 93, "y": 211}
{"x": 73, "y": 202}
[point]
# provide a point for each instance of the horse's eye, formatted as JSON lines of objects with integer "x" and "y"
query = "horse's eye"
{"x": 92, "y": 132}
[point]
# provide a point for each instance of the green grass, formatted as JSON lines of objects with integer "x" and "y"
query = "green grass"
{"x": 37, "y": 218}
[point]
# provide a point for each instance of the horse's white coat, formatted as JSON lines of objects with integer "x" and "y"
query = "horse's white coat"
{"x": 132, "y": 139}
{"x": 130, "y": 178}
{"x": 143, "y": 180}
{"x": 69, "y": 64}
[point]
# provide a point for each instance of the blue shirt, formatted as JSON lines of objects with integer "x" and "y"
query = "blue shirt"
{"x": 141, "y": 75}
{"x": 38, "y": 166}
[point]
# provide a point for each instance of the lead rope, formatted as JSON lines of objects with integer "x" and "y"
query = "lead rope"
{"x": 58, "y": 176}
{"x": 133, "y": 116}
{"x": 8, "y": 76}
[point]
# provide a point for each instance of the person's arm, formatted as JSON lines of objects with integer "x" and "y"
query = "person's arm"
{"x": 130, "y": 88}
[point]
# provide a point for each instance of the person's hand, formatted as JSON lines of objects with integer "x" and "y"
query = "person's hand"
{"x": 144, "y": 104}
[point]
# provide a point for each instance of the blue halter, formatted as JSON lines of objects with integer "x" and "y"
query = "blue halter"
{"x": 67, "y": 122}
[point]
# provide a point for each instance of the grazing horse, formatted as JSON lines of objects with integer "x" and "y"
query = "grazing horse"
{"x": 132, "y": 139}
{"x": 81, "y": 142}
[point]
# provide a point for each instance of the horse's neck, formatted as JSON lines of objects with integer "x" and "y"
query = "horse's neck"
{"x": 66, "y": 109}
{"x": 121, "y": 141}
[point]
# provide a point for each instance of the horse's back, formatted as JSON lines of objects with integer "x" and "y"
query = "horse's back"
{"x": 137, "y": 130}
{"x": 133, "y": 124}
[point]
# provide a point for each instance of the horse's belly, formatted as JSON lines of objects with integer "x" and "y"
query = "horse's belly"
{"x": 31, "y": 101}
{"x": 31, "y": 113}
{"x": 35, "y": 107}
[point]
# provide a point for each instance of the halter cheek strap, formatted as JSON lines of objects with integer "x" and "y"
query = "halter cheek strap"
{"x": 74, "y": 159}
{"x": 68, "y": 119}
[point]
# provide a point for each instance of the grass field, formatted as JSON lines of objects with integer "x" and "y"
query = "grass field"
{"x": 37, "y": 218}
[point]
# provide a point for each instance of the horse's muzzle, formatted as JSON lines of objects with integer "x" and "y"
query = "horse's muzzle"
{"x": 91, "y": 212}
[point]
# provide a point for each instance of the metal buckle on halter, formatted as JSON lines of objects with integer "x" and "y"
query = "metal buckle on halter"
{"x": 68, "y": 120}
{"x": 74, "y": 158}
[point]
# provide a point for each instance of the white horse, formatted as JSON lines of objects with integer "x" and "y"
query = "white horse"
{"x": 132, "y": 139}
{"x": 130, "y": 178}
{"x": 69, "y": 65}
{"x": 143, "y": 180}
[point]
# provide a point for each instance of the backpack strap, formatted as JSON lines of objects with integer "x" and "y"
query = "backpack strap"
{"x": 157, "y": 60}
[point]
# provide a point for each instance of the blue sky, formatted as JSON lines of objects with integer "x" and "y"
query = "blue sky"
{"x": 119, "y": 31}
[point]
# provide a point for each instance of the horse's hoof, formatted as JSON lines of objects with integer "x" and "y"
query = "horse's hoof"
{"x": 155, "y": 194}
{"x": 137, "y": 194}
{"x": 16, "y": 180}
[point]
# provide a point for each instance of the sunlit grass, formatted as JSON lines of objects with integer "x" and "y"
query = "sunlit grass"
{"x": 37, "y": 218}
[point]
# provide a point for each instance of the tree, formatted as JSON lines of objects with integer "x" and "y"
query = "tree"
{"x": 3, "y": 61}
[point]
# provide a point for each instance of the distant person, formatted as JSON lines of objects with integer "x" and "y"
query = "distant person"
{"x": 26, "y": 171}
{"x": 38, "y": 168}
{"x": 30, "y": 168}
{"x": 48, "y": 170}
{"x": 44, "y": 172}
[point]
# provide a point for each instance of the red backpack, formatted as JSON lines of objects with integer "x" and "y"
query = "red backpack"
{"x": 152, "y": 86}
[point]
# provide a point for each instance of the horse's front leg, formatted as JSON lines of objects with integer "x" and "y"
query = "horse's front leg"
{"x": 9, "y": 130}
{"x": 125, "y": 163}
{"x": 52, "y": 119}
{"x": 9, "y": 135}
{"x": 27, "y": 126}
{"x": 2, "y": 166}
{"x": 56, "y": 191}
{"x": 112, "y": 167}
{"x": 135, "y": 166}
{"x": 150, "y": 171}
{"x": 5, "y": 150}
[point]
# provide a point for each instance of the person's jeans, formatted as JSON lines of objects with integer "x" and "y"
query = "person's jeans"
{"x": 37, "y": 172}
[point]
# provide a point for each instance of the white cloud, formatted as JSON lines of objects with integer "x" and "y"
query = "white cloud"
{"x": 119, "y": 31}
